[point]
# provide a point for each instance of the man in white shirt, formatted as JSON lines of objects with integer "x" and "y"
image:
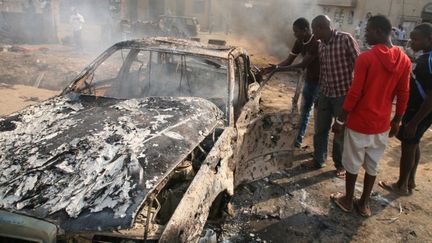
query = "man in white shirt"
{"x": 77, "y": 21}
{"x": 401, "y": 35}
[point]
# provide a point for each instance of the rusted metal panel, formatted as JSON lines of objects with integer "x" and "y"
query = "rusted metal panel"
{"x": 215, "y": 176}
{"x": 264, "y": 143}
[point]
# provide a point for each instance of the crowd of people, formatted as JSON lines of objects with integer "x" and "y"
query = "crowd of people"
{"x": 353, "y": 95}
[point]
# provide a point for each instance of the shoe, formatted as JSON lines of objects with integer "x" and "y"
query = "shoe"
{"x": 311, "y": 164}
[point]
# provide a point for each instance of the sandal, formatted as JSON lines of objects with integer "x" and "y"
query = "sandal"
{"x": 340, "y": 173}
{"x": 366, "y": 212}
{"x": 392, "y": 188}
{"x": 336, "y": 197}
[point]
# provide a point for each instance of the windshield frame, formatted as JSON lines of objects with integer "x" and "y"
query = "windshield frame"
{"x": 175, "y": 46}
{"x": 76, "y": 85}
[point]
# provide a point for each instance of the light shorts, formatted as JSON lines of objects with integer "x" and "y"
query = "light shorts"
{"x": 363, "y": 150}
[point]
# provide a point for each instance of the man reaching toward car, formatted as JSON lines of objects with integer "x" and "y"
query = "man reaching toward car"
{"x": 306, "y": 45}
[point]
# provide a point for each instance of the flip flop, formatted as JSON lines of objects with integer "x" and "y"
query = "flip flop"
{"x": 340, "y": 173}
{"x": 392, "y": 188}
{"x": 335, "y": 197}
{"x": 360, "y": 211}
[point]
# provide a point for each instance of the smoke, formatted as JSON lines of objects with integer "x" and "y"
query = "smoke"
{"x": 266, "y": 22}
{"x": 270, "y": 22}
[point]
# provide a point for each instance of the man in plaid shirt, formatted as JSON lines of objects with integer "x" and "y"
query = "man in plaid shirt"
{"x": 337, "y": 52}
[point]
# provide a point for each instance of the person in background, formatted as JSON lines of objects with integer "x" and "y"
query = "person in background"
{"x": 77, "y": 21}
{"x": 401, "y": 35}
{"x": 418, "y": 117}
{"x": 307, "y": 46}
{"x": 381, "y": 74}
{"x": 362, "y": 43}
{"x": 337, "y": 54}
{"x": 357, "y": 31}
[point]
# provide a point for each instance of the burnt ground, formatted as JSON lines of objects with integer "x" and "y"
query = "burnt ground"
{"x": 292, "y": 205}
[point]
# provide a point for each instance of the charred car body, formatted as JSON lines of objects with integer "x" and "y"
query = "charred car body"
{"x": 138, "y": 146}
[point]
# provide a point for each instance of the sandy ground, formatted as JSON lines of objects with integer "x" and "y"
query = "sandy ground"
{"x": 16, "y": 97}
{"x": 32, "y": 73}
{"x": 290, "y": 206}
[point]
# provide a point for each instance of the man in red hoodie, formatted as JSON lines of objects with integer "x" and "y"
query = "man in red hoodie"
{"x": 380, "y": 74}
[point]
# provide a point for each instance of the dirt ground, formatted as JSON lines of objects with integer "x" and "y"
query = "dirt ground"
{"x": 32, "y": 73}
{"x": 292, "y": 205}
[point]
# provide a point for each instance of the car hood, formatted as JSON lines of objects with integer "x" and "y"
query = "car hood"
{"x": 87, "y": 163}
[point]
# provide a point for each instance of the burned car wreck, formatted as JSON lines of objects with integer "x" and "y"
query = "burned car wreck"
{"x": 139, "y": 146}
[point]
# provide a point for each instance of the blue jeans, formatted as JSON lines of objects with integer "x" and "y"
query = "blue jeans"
{"x": 328, "y": 108}
{"x": 309, "y": 97}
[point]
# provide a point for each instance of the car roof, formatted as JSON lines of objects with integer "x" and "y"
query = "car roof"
{"x": 179, "y": 46}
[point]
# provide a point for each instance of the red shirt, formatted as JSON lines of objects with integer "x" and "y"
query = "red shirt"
{"x": 337, "y": 58}
{"x": 380, "y": 75}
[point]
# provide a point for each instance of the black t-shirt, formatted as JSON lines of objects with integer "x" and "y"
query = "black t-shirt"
{"x": 423, "y": 75}
{"x": 311, "y": 48}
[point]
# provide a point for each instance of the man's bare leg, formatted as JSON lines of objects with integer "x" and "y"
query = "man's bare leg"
{"x": 411, "y": 180}
{"x": 346, "y": 201}
{"x": 363, "y": 202}
{"x": 407, "y": 164}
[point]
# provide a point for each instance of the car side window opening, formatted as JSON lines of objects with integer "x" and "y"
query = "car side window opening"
{"x": 105, "y": 76}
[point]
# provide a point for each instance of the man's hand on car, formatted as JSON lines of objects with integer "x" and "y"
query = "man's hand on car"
{"x": 268, "y": 69}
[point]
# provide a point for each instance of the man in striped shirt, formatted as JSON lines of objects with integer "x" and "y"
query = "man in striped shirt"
{"x": 337, "y": 54}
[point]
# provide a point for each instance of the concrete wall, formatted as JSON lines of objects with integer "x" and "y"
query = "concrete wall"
{"x": 406, "y": 12}
{"x": 199, "y": 9}
{"x": 21, "y": 22}
{"x": 191, "y": 8}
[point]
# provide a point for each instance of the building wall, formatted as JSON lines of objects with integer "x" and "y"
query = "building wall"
{"x": 171, "y": 7}
{"x": 29, "y": 21}
{"x": 193, "y": 8}
{"x": 406, "y": 12}
{"x": 143, "y": 7}
{"x": 199, "y": 9}
{"x": 204, "y": 10}
{"x": 12, "y": 6}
